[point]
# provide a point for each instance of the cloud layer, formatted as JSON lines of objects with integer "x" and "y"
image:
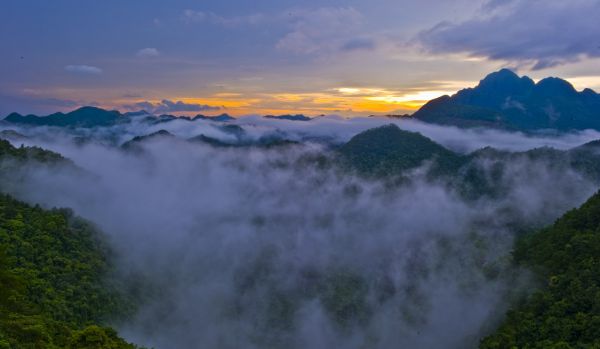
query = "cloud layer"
{"x": 254, "y": 248}
{"x": 192, "y": 16}
{"x": 248, "y": 248}
{"x": 321, "y": 31}
{"x": 303, "y": 49}
{"x": 168, "y": 106}
{"x": 536, "y": 33}
{"x": 148, "y": 52}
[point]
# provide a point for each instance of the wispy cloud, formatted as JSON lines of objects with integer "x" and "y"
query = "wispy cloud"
{"x": 306, "y": 31}
{"x": 148, "y": 52}
{"x": 168, "y": 106}
{"x": 192, "y": 16}
{"x": 83, "y": 69}
{"x": 323, "y": 29}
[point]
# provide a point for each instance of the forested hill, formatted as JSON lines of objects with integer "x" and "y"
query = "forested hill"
{"x": 22, "y": 154}
{"x": 53, "y": 268}
{"x": 565, "y": 313}
{"x": 387, "y": 150}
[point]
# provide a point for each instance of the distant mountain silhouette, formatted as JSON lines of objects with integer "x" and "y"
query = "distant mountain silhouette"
{"x": 152, "y": 119}
{"x": 136, "y": 113}
{"x": 503, "y": 99}
{"x": 82, "y": 117}
{"x": 297, "y": 117}
{"x": 96, "y": 117}
{"x": 263, "y": 142}
{"x": 220, "y": 118}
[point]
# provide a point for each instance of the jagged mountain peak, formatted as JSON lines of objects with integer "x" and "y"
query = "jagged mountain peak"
{"x": 555, "y": 86}
{"x": 503, "y": 99}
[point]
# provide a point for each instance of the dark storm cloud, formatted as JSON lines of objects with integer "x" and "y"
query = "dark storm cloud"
{"x": 538, "y": 33}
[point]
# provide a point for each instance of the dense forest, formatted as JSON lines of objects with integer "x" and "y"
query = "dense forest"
{"x": 565, "y": 312}
{"x": 53, "y": 269}
{"x": 22, "y": 154}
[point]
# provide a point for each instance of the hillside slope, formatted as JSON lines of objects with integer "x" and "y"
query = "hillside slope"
{"x": 388, "y": 150}
{"x": 565, "y": 313}
{"x": 505, "y": 100}
{"x": 53, "y": 272}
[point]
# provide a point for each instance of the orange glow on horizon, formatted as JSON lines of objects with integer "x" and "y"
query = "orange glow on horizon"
{"x": 310, "y": 103}
{"x": 347, "y": 101}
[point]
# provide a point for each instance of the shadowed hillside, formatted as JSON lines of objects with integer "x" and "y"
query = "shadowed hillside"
{"x": 565, "y": 312}
{"x": 505, "y": 100}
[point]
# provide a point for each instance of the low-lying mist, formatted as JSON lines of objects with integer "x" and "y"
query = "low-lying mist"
{"x": 328, "y": 129}
{"x": 266, "y": 248}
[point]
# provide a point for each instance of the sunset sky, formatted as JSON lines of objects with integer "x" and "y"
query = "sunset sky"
{"x": 280, "y": 56}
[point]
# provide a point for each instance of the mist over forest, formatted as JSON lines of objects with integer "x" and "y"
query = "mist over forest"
{"x": 263, "y": 233}
{"x": 314, "y": 174}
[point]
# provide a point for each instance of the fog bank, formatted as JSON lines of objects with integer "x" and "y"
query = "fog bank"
{"x": 255, "y": 248}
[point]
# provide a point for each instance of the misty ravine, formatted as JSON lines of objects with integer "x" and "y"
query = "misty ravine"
{"x": 313, "y": 174}
{"x": 279, "y": 247}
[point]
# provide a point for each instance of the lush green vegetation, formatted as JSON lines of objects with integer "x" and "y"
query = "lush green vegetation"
{"x": 388, "y": 150}
{"x": 54, "y": 290}
{"x": 8, "y": 152}
{"x": 565, "y": 313}
{"x": 52, "y": 267}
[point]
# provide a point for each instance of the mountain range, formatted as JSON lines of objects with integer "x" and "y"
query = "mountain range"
{"x": 88, "y": 117}
{"x": 501, "y": 100}
{"x": 82, "y": 117}
{"x": 505, "y": 100}
{"x": 563, "y": 258}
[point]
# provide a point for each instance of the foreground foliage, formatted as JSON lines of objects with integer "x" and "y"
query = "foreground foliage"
{"x": 51, "y": 270}
{"x": 566, "y": 312}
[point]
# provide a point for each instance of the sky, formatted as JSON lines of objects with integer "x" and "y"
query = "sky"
{"x": 244, "y": 57}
